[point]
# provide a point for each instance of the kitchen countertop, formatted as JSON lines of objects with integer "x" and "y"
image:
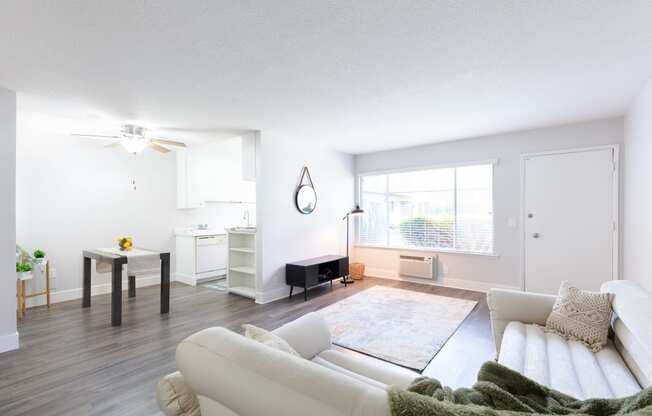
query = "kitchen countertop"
{"x": 195, "y": 232}
{"x": 242, "y": 230}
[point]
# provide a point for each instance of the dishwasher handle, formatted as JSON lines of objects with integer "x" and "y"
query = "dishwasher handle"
{"x": 211, "y": 240}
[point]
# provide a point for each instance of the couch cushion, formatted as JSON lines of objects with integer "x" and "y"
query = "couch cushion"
{"x": 342, "y": 370}
{"x": 308, "y": 335}
{"x": 633, "y": 308}
{"x": 368, "y": 367}
{"x": 567, "y": 366}
{"x": 268, "y": 338}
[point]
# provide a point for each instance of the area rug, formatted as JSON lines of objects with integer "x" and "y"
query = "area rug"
{"x": 400, "y": 326}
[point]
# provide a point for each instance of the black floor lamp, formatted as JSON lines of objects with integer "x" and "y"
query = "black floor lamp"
{"x": 355, "y": 212}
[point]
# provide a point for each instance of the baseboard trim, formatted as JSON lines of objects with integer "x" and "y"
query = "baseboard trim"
{"x": 9, "y": 342}
{"x": 276, "y": 294}
{"x": 101, "y": 289}
{"x": 185, "y": 279}
{"x": 473, "y": 285}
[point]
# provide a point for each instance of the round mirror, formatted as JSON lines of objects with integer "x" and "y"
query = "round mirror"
{"x": 306, "y": 199}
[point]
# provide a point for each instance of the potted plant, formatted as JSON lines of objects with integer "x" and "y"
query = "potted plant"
{"x": 23, "y": 271}
{"x": 39, "y": 256}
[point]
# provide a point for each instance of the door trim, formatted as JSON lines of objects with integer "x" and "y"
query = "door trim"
{"x": 615, "y": 148}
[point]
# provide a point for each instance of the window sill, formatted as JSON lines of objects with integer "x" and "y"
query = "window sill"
{"x": 428, "y": 250}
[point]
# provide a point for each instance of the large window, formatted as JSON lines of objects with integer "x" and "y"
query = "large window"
{"x": 448, "y": 209}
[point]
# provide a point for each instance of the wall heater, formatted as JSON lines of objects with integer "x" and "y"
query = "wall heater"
{"x": 418, "y": 266}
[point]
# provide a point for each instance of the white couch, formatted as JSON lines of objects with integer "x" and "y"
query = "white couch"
{"x": 233, "y": 375}
{"x": 618, "y": 370}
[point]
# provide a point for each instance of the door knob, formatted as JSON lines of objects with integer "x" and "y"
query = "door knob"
{"x": 535, "y": 235}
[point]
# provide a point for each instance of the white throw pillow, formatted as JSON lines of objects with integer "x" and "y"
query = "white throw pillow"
{"x": 582, "y": 316}
{"x": 268, "y": 338}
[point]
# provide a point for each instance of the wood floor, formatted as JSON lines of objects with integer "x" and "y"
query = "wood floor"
{"x": 73, "y": 362}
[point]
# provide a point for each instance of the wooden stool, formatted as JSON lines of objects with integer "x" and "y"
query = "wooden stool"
{"x": 22, "y": 296}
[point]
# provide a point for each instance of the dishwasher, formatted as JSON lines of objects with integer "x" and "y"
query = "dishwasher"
{"x": 210, "y": 253}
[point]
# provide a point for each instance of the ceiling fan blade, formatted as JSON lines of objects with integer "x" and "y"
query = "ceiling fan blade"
{"x": 168, "y": 142}
{"x": 116, "y": 144}
{"x": 96, "y": 136}
{"x": 158, "y": 148}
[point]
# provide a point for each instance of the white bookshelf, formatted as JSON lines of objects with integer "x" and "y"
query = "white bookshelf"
{"x": 243, "y": 250}
{"x": 241, "y": 262}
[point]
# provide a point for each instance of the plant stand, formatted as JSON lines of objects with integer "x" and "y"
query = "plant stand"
{"x": 22, "y": 296}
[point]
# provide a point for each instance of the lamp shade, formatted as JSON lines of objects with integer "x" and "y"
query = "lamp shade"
{"x": 357, "y": 211}
{"x": 134, "y": 145}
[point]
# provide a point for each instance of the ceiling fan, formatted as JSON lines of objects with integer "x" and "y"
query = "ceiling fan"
{"x": 134, "y": 140}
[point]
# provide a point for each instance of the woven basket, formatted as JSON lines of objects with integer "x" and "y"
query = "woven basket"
{"x": 357, "y": 271}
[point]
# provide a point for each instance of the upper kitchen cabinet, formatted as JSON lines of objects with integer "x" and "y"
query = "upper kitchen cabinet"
{"x": 218, "y": 171}
{"x": 249, "y": 156}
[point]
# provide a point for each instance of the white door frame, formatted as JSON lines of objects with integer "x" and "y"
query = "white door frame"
{"x": 615, "y": 148}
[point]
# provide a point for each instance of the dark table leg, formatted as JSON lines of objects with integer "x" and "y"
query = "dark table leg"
{"x": 116, "y": 294}
{"x": 291, "y": 289}
{"x": 165, "y": 283}
{"x": 132, "y": 286}
{"x": 86, "y": 298}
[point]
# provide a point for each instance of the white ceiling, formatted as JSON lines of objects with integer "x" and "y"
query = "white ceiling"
{"x": 360, "y": 75}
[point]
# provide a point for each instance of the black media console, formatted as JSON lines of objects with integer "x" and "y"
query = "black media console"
{"x": 314, "y": 272}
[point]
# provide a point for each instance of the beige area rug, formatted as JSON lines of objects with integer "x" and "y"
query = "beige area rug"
{"x": 400, "y": 326}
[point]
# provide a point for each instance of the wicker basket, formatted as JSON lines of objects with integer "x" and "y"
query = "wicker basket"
{"x": 357, "y": 271}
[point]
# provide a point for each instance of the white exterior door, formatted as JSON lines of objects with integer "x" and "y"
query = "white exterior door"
{"x": 570, "y": 210}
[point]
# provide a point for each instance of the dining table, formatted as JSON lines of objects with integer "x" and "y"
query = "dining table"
{"x": 114, "y": 260}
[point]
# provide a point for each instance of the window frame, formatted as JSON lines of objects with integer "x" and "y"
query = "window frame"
{"x": 359, "y": 191}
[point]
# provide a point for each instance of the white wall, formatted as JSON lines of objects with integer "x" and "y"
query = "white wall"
{"x": 8, "y": 334}
{"x": 284, "y": 234}
{"x": 73, "y": 194}
{"x": 474, "y": 271}
{"x": 638, "y": 194}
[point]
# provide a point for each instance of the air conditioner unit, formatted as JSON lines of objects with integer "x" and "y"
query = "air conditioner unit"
{"x": 418, "y": 266}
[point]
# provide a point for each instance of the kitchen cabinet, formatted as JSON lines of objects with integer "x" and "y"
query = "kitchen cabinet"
{"x": 214, "y": 172}
{"x": 249, "y": 156}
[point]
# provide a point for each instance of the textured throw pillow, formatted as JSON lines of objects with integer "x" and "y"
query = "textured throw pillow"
{"x": 268, "y": 338}
{"x": 582, "y": 316}
{"x": 175, "y": 397}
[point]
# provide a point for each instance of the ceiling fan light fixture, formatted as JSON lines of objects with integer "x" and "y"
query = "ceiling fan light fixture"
{"x": 134, "y": 145}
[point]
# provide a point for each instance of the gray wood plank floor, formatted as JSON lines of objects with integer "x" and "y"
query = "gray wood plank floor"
{"x": 73, "y": 362}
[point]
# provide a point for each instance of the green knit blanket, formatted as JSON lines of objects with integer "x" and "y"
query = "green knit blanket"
{"x": 500, "y": 391}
